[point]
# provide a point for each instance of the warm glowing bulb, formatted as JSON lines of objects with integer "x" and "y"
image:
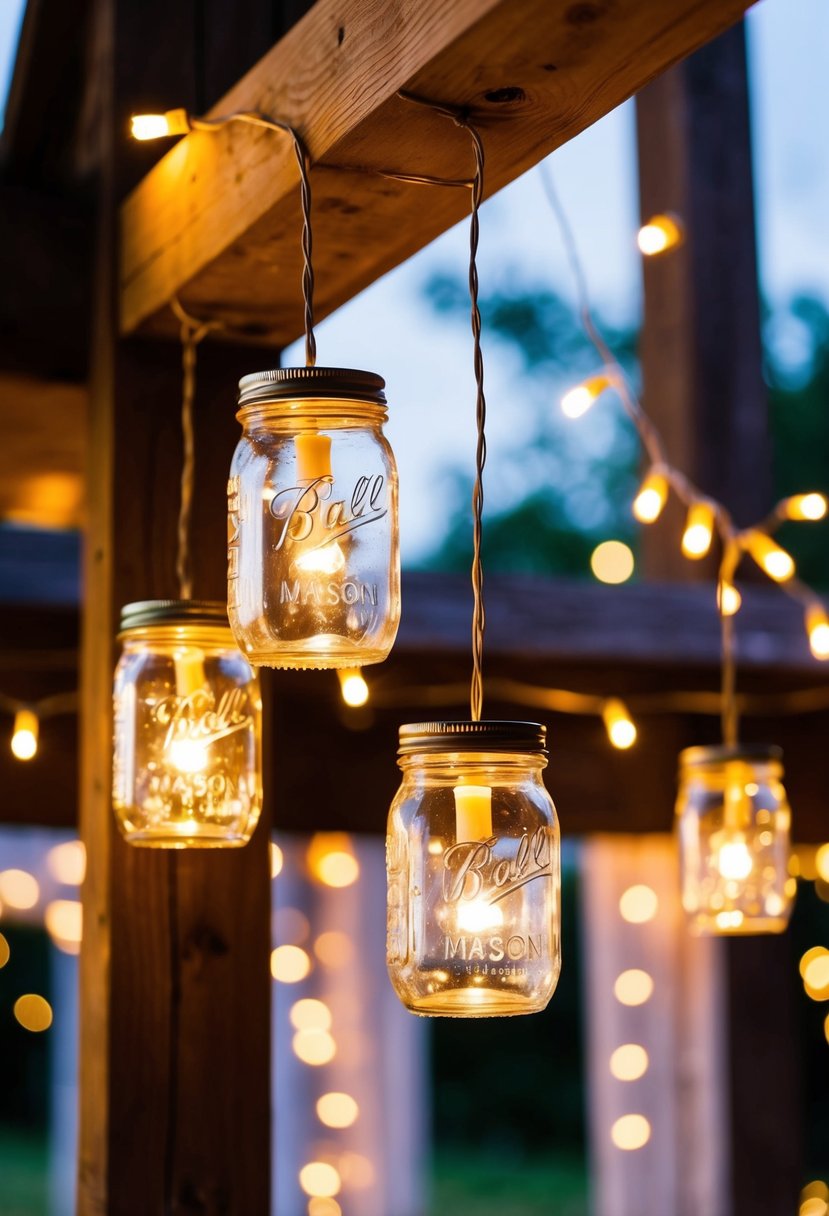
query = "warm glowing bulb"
{"x": 337, "y": 1110}
{"x": 64, "y": 923}
{"x": 619, "y": 725}
{"x": 805, "y": 506}
{"x": 577, "y": 401}
{"x": 699, "y": 530}
{"x": 314, "y": 1047}
{"x": 652, "y": 496}
{"x": 289, "y": 964}
{"x": 33, "y": 1012}
{"x": 661, "y": 232}
{"x": 728, "y": 598}
{"x": 612, "y": 562}
{"x": 277, "y": 860}
{"x": 631, "y": 1132}
{"x": 633, "y": 987}
{"x": 477, "y": 915}
{"x": 67, "y": 862}
{"x": 24, "y": 738}
{"x": 310, "y": 1015}
{"x": 19, "y": 889}
{"x": 156, "y": 126}
{"x": 638, "y": 904}
{"x": 319, "y": 1178}
{"x": 188, "y": 755}
{"x": 353, "y": 687}
{"x": 5, "y": 952}
{"x": 777, "y": 563}
{"x": 822, "y": 862}
{"x": 326, "y": 559}
{"x": 733, "y": 861}
{"x": 629, "y": 1062}
{"x": 817, "y": 627}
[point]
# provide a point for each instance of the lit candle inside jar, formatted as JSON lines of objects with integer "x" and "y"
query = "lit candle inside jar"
{"x": 313, "y": 457}
{"x": 473, "y": 812}
{"x": 190, "y": 675}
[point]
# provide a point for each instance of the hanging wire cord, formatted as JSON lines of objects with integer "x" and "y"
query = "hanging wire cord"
{"x": 193, "y": 332}
{"x": 254, "y": 119}
{"x": 461, "y": 119}
{"x": 735, "y": 543}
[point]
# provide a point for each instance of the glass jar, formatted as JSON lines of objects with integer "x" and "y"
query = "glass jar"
{"x": 473, "y": 865}
{"x": 187, "y": 736}
{"x": 733, "y": 822}
{"x": 313, "y": 562}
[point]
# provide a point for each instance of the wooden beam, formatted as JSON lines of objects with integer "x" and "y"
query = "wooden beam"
{"x": 217, "y": 220}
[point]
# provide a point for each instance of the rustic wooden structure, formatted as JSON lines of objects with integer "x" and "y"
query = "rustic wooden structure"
{"x": 175, "y": 986}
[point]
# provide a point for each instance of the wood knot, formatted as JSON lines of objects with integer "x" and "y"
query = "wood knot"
{"x": 202, "y": 943}
{"x": 510, "y": 94}
{"x": 583, "y": 14}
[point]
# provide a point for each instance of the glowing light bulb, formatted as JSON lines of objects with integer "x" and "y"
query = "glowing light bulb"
{"x": 612, "y": 562}
{"x": 331, "y": 859}
{"x": 578, "y": 400}
{"x": 157, "y": 126}
{"x": 805, "y": 506}
{"x": 320, "y": 1179}
{"x": 24, "y": 738}
{"x": 699, "y": 531}
{"x": 660, "y": 233}
{"x": 337, "y": 1110}
{"x": 631, "y": 1132}
{"x": 353, "y": 686}
{"x": 621, "y": 730}
{"x": 652, "y": 496}
{"x": 325, "y": 559}
{"x": 733, "y": 860}
{"x": 777, "y": 563}
{"x": 477, "y": 915}
{"x": 188, "y": 755}
{"x": 729, "y": 599}
{"x": 817, "y": 627}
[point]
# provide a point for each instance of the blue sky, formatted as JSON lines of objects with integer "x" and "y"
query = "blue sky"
{"x": 427, "y": 363}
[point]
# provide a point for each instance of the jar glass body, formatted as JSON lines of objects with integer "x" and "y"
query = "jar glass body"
{"x": 474, "y": 908}
{"x": 187, "y": 738}
{"x": 733, "y": 821}
{"x": 313, "y": 551}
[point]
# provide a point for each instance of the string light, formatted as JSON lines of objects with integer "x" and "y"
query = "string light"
{"x": 612, "y": 562}
{"x": 699, "y": 530}
{"x": 652, "y": 496}
{"x": 353, "y": 686}
{"x": 660, "y": 233}
{"x": 777, "y": 563}
{"x": 578, "y": 400}
{"x": 320, "y": 1179}
{"x": 158, "y": 126}
{"x": 817, "y": 627}
{"x": 638, "y": 904}
{"x": 620, "y": 727}
{"x": 631, "y": 1132}
{"x": 729, "y": 600}
{"x": 25, "y": 736}
{"x": 629, "y": 1062}
{"x": 804, "y": 506}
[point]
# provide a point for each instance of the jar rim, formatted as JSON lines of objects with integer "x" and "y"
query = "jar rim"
{"x": 722, "y": 753}
{"x": 440, "y": 737}
{"x": 289, "y": 383}
{"x": 141, "y": 613}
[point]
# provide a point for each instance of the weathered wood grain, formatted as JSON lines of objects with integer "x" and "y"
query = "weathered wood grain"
{"x": 217, "y": 220}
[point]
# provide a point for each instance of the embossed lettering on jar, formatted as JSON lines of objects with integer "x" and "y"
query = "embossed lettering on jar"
{"x": 313, "y": 561}
{"x": 187, "y": 708}
{"x": 473, "y": 863}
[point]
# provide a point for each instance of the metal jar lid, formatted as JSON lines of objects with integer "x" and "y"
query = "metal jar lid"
{"x": 284, "y": 383}
{"x": 722, "y": 753}
{"x": 471, "y": 736}
{"x": 173, "y": 612}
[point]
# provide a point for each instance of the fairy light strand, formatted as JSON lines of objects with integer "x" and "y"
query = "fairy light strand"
{"x": 735, "y": 543}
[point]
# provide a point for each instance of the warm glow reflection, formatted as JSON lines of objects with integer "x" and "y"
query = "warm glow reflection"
{"x": 729, "y": 920}
{"x": 33, "y": 1012}
{"x": 324, "y": 1207}
{"x": 314, "y": 1047}
{"x": 476, "y": 915}
{"x": 331, "y": 859}
{"x": 612, "y": 562}
{"x": 353, "y": 687}
{"x": 327, "y": 559}
{"x": 276, "y": 860}
{"x": 67, "y": 862}
{"x": 638, "y": 905}
{"x": 629, "y": 1062}
{"x": 4, "y": 951}
{"x": 310, "y": 1015}
{"x": 64, "y": 924}
{"x": 24, "y": 737}
{"x": 633, "y": 987}
{"x": 631, "y": 1132}
{"x": 337, "y": 1110}
{"x": 19, "y": 889}
{"x": 289, "y": 964}
{"x": 319, "y": 1178}
{"x": 334, "y": 949}
{"x": 291, "y": 927}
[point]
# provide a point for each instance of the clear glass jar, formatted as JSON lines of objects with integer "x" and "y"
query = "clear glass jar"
{"x": 733, "y": 821}
{"x": 187, "y": 735}
{"x": 473, "y": 865}
{"x": 313, "y": 554}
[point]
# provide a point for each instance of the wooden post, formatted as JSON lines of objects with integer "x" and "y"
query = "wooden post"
{"x": 175, "y": 982}
{"x": 702, "y": 371}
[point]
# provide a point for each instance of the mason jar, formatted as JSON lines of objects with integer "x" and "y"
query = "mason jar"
{"x": 473, "y": 867}
{"x": 313, "y": 554}
{"x": 733, "y": 822}
{"x": 187, "y": 728}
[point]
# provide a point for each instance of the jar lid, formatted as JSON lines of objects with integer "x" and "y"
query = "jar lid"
{"x": 472, "y": 736}
{"x": 721, "y": 753}
{"x": 173, "y": 612}
{"x": 283, "y": 383}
